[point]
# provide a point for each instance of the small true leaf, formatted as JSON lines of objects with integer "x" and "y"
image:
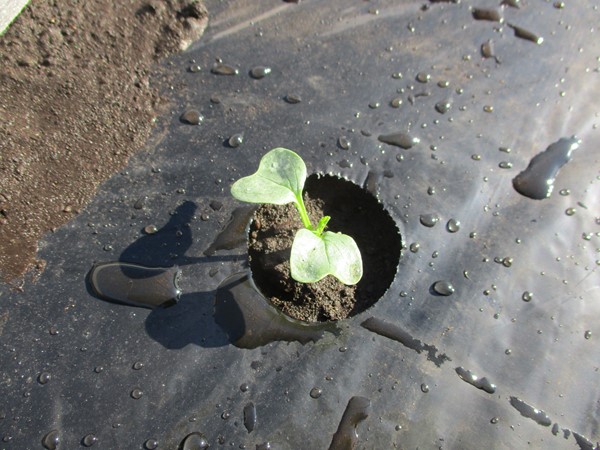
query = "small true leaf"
{"x": 279, "y": 179}
{"x": 314, "y": 257}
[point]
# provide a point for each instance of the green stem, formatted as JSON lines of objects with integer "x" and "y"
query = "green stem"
{"x": 303, "y": 214}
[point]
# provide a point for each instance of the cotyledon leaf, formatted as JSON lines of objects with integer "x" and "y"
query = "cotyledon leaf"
{"x": 279, "y": 179}
{"x": 314, "y": 257}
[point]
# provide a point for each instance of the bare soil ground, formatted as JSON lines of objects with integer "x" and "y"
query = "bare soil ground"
{"x": 76, "y": 101}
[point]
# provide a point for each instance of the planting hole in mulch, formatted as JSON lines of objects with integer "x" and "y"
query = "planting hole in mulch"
{"x": 354, "y": 212}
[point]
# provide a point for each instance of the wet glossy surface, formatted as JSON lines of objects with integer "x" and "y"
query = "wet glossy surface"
{"x": 329, "y": 61}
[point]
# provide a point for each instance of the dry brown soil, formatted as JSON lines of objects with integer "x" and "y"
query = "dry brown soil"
{"x": 76, "y": 101}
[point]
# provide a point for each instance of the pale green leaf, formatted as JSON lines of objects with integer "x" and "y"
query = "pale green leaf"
{"x": 279, "y": 179}
{"x": 313, "y": 257}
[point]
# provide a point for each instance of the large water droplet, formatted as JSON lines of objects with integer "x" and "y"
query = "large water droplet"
{"x": 429, "y": 220}
{"x": 402, "y": 140}
{"x": 443, "y": 287}
{"x": 453, "y": 225}
{"x": 194, "y": 441}
{"x": 487, "y": 14}
{"x": 236, "y": 140}
{"x": 51, "y": 440}
{"x": 527, "y": 296}
{"x": 526, "y": 34}
{"x": 89, "y": 440}
{"x": 443, "y": 106}
{"x": 316, "y": 392}
{"x": 530, "y": 412}
{"x": 260, "y": 72}
{"x": 537, "y": 180}
{"x": 346, "y": 436}
{"x": 134, "y": 284}
{"x": 250, "y": 417}
{"x": 344, "y": 143}
{"x": 224, "y": 69}
{"x": 192, "y": 117}
{"x": 480, "y": 383}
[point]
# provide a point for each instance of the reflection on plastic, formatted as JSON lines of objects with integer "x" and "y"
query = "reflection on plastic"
{"x": 136, "y": 285}
{"x": 250, "y": 321}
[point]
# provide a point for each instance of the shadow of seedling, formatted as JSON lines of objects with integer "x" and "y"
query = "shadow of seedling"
{"x": 147, "y": 274}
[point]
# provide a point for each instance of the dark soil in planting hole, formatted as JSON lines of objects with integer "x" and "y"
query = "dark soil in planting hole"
{"x": 354, "y": 212}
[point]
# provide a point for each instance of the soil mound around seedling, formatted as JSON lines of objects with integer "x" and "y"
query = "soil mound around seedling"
{"x": 75, "y": 104}
{"x": 354, "y": 212}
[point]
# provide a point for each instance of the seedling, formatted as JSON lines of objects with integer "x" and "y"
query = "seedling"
{"x": 316, "y": 253}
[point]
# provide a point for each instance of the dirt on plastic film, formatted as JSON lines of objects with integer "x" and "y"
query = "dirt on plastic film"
{"x": 540, "y": 354}
{"x": 76, "y": 101}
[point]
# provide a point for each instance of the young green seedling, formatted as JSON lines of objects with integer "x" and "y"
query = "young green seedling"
{"x": 316, "y": 253}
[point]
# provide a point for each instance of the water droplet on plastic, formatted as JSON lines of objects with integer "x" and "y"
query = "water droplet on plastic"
{"x": 487, "y": 14}
{"x": 194, "y": 441}
{"x": 316, "y": 392}
{"x": 250, "y": 417}
{"x": 443, "y": 106}
{"x": 487, "y": 49}
{"x": 402, "y": 140}
{"x": 89, "y": 440}
{"x": 423, "y": 77}
{"x": 236, "y": 140}
{"x": 570, "y": 211}
{"x": 537, "y": 180}
{"x": 137, "y": 365}
{"x": 431, "y": 190}
{"x": 151, "y": 444}
{"x": 444, "y": 288}
{"x": 488, "y": 108}
{"x": 136, "y": 394}
{"x": 527, "y": 296}
{"x": 530, "y": 412}
{"x": 260, "y": 72}
{"x": 453, "y": 226}
{"x": 264, "y": 446}
{"x": 494, "y": 420}
{"x": 250, "y": 321}
{"x": 424, "y": 388}
{"x": 587, "y": 334}
{"x": 244, "y": 387}
{"x": 397, "y": 75}
{"x": 195, "y": 68}
{"x": 344, "y": 143}
{"x": 414, "y": 247}
{"x": 429, "y": 220}
{"x": 192, "y": 117}
{"x": 134, "y": 284}
{"x": 396, "y": 102}
{"x": 51, "y": 440}
{"x": 505, "y": 165}
{"x": 224, "y": 69}
{"x": 293, "y": 98}
{"x": 526, "y": 34}
{"x": 397, "y": 334}
{"x": 346, "y": 436}
{"x": 480, "y": 383}
{"x": 44, "y": 377}
{"x": 345, "y": 164}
